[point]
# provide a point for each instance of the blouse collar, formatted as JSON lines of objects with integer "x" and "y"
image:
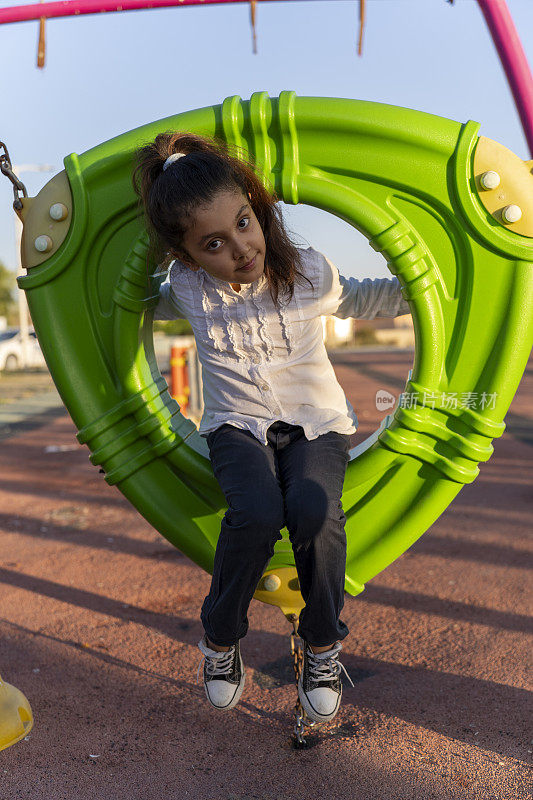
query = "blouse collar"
{"x": 246, "y": 288}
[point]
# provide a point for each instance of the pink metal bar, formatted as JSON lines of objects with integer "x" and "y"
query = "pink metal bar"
{"x": 67, "y": 8}
{"x": 496, "y": 13}
{"x": 513, "y": 58}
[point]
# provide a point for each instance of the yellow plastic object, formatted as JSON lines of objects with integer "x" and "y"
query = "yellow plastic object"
{"x": 515, "y": 186}
{"x": 16, "y": 718}
{"x": 280, "y": 587}
{"x": 38, "y": 221}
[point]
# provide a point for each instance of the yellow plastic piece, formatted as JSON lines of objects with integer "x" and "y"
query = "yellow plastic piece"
{"x": 38, "y": 222}
{"x": 515, "y": 188}
{"x": 16, "y": 718}
{"x": 287, "y": 596}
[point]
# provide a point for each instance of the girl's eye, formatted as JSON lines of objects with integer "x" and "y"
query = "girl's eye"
{"x": 215, "y": 244}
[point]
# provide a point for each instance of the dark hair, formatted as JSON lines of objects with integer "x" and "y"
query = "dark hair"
{"x": 168, "y": 198}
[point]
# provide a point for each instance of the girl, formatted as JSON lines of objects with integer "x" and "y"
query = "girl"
{"x": 277, "y": 422}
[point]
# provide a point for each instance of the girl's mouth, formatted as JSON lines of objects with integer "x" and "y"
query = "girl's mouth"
{"x": 250, "y": 265}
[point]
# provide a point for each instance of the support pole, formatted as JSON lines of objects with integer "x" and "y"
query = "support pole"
{"x": 514, "y": 61}
{"x": 179, "y": 378}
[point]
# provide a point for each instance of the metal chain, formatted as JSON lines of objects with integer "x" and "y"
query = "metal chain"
{"x": 302, "y": 720}
{"x": 6, "y": 169}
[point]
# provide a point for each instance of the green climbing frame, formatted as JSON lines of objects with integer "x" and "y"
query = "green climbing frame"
{"x": 411, "y": 183}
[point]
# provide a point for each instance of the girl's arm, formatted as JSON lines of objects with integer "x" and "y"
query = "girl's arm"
{"x": 167, "y": 305}
{"x": 366, "y": 299}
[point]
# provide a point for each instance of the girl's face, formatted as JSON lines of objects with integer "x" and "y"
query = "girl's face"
{"x": 225, "y": 239}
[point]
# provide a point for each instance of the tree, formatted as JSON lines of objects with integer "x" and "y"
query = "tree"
{"x": 8, "y": 285}
{"x": 173, "y": 327}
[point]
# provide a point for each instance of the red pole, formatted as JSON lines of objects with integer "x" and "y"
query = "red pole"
{"x": 179, "y": 377}
{"x": 514, "y": 61}
{"x": 67, "y": 8}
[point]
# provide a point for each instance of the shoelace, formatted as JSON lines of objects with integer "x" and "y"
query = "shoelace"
{"x": 325, "y": 668}
{"x": 217, "y": 665}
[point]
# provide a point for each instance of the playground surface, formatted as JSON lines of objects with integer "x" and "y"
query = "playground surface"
{"x": 99, "y": 624}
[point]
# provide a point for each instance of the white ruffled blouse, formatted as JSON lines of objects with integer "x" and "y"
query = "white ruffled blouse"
{"x": 262, "y": 362}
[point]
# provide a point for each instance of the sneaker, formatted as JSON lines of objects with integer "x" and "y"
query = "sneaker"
{"x": 223, "y": 675}
{"x": 319, "y": 685}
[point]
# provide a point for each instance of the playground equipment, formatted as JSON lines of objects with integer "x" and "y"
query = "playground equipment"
{"x": 417, "y": 186}
{"x": 451, "y": 212}
{"x": 179, "y": 382}
{"x": 16, "y": 718}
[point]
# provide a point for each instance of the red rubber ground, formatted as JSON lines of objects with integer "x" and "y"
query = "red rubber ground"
{"x": 99, "y": 621}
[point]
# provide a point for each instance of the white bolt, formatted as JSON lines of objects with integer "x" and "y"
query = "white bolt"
{"x": 43, "y": 244}
{"x": 271, "y": 583}
{"x": 512, "y": 213}
{"x": 490, "y": 179}
{"x": 58, "y": 211}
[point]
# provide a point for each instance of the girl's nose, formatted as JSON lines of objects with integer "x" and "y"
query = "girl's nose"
{"x": 241, "y": 249}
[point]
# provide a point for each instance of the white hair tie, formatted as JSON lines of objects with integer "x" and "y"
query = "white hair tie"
{"x": 172, "y": 158}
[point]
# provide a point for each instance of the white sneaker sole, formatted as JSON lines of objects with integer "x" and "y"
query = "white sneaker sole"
{"x": 310, "y": 711}
{"x": 236, "y": 697}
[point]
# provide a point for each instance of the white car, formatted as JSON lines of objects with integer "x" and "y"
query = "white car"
{"x": 12, "y": 354}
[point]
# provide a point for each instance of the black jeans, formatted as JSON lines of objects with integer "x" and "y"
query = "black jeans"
{"x": 292, "y": 481}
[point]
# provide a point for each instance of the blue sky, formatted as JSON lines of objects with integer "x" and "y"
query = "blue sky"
{"x": 107, "y": 74}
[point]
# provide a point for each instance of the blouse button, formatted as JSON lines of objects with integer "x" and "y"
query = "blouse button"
{"x": 255, "y": 359}
{"x": 265, "y": 387}
{"x": 248, "y": 330}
